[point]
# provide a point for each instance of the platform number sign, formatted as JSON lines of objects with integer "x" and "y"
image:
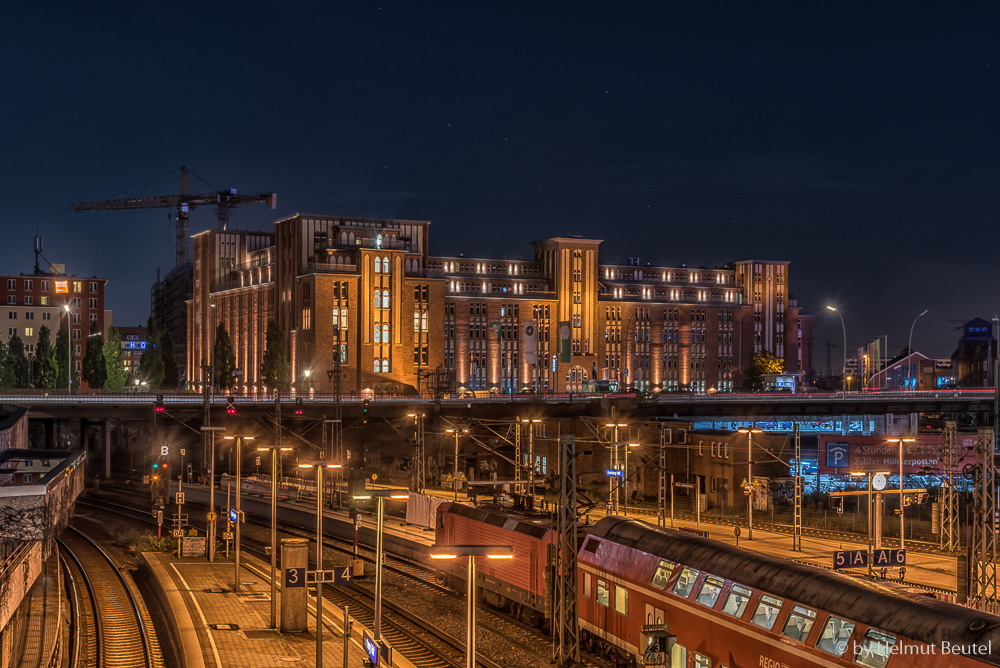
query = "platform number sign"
{"x": 164, "y": 450}
{"x": 295, "y": 577}
{"x": 892, "y": 557}
{"x": 850, "y": 559}
{"x": 342, "y": 575}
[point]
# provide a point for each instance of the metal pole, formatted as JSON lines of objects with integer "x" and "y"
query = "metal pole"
{"x": 378, "y": 568}
{"x": 626, "y": 481}
{"x": 274, "y": 537}
{"x": 531, "y": 462}
{"x": 211, "y": 502}
{"x": 749, "y": 485}
{"x": 902, "y": 526}
{"x": 454, "y": 482}
{"x": 319, "y": 566}
{"x": 470, "y": 655}
{"x": 671, "y": 500}
{"x": 869, "y": 517}
{"x": 347, "y": 632}
{"x": 697, "y": 500}
{"x": 239, "y": 508}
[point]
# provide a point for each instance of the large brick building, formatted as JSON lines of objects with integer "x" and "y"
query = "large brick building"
{"x": 407, "y": 320}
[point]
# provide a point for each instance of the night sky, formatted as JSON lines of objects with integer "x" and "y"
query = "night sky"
{"x": 860, "y": 144}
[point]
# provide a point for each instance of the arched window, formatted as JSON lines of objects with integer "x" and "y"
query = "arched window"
{"x": 378, "y": 241}
{"x": 378, "y": 299}
{"x": 350, "y": 239}
{"x": 378, "y": 265}
{"x": 378, "y": 334}
{"x": 385, "y": 265}
{"x": 376, "y": 366}
{"x": 385, "y": 366}
{"x": 343, "y": 238}
{"x": 385, "y": 299}
{"x": 385, "y": 333}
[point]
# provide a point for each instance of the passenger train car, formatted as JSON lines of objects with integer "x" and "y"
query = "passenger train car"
{"x": 644, "y": 590}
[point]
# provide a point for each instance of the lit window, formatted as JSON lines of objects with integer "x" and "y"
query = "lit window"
{"x": 875, "y": 650}
{"x": 378, "y": 334}
{"x": 603, "y": 596}
{"x": 621, "y": 600}
{"x": 736, "y": 602}
{"x": 378, "y": 265}
{"x": 710, "y": 591}
{"x": 385, "y": 299}
{"x": 378, "y": 299}
{"x": 685, "y": 582}
{"x": 385, "y": 265}
{"x": 800, "y": 622}
{"x": 385, "y": 333}
{"x": 29, "y": 331}
{"x": 766, "y": 612}
{"x": 588, "y": 585}
{"x": 376, "y": 366}
{"x": 385, "y": 366}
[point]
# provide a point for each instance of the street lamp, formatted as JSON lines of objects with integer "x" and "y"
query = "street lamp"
{"x": 909, "y": 353}
{"x": 454, "y": 481}
{"x": 531, "y": 458}
{"x": 69, "y": 350}
{"x": 471, "y": 551}
{"x": 380, "y": 495}
{"x": 612, "y": 488}
{"x": 274, "y": 449}
{"x": 844, "y": 330}
{"x": 211, "y": 493}
{"x": 628, "y": 445}
{"x": 901, "y": 525}
{"x": 749, "y": 432}
{"x": 239, "y": 510}
{"x": 319, "y": 466}
{"x": 870, "y": 475}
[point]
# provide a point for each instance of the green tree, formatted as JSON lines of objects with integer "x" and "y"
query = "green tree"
{"x": 46, "y": 367}
{"x": 62, "y": 357}
{"x": 17, "y": 361}
{"x": 151, "y": 362}
{"x": 761, "y": 363}
{"x": 224, "y": 359}
{"x": 171, "y": 374}
{"x": 95, "y": 369}
{"x": 6, "y": 372}
{"x": 274, "y": 368}
{"x": 114, "y": 362}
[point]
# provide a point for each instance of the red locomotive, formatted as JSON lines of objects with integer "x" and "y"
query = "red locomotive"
{"x": 664, "y": 597}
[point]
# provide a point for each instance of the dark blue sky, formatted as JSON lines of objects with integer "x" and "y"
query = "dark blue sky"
{"x": 860, "y": 144}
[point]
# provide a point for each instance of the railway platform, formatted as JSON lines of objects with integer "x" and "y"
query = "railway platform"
{"x": 216, "y": 627}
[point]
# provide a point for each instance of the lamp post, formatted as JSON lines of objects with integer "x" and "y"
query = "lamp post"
{"x": 319, "y": 466}
{"x": 211, "y": 492}
{"x": 380, "y": 495}
{"x": 239, "y": 509}
{"x": 870, "y": 475}
{"x": 909, "y": 354}
{"x": 471, "y": 551}
{"x": 627, "y": 446}
{"x": 612, "y": 487}
{"x": 274, "y": 449}
{"x": 843, "y": 329}
{"x": 69, "y": 350}
{"x": 454, "y": 481}
{"x": 749, "y": 432}
{"x": 531, "y": 457}
{"x": 902, "y": 527}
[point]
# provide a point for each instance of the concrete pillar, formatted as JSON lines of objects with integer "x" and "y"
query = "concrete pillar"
{"x": 107, "y": 449}
{"x": 294, "y": 565}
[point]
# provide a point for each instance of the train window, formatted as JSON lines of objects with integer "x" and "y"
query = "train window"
{"x": 678, "y": 655}
{"x": 835, "y": 635}
{"x": 736, "y": 603}
{"x": 621, "y": 600}
{"x": 588, "y": 584}
{"x": 602, "y": 592}
{"x": 701, "y": 661}
{"x": 710, "y": 591}
{"x": 799, "y": 624}
{"x": 663, "y": 571}
{"x": 875, "y": 650}
{"x": 685, "y": 583}
{"x": 766, "y": 612}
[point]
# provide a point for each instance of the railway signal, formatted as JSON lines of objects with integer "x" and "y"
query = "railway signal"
{"x": 230, "y": 405}
{"x": 158, "y": 406}
{"x": 298, "y": 406}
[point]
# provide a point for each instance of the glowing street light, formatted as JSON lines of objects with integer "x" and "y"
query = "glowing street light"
{"x": 844, "y": 330}
{"x": 239, "y": 509}
{"x": 380, "y": 495}
{"x": 749, "y": 433}
{"x": 454, "y": 481}
{"x": 902, "y": 440}
{"x": 274, "y": 449}
{"x": 471, "y": 551}
{"x": 319, "y": 466}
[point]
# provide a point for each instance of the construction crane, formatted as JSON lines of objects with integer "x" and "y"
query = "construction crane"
{"x": 184, "y": 201}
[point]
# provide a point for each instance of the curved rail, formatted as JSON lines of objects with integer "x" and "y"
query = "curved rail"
{"x": 104, "y": 655}
{"x": 71, "y": 585}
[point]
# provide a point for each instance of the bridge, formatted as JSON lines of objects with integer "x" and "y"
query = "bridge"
{"x": 748, "y": 406}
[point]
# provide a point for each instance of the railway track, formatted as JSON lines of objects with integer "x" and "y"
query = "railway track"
{"x": 111, "y": 623}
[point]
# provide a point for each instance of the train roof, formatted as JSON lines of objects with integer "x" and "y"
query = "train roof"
{"x": 917, "y": 617}
{"x": 504, "y": 520}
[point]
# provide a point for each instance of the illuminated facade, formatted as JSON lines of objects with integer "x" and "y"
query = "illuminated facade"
{"x": 408, "y": 320}
{"x": 38, "y": 299}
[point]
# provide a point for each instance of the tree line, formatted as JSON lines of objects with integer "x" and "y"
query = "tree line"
{"x": 103, "y": 368}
